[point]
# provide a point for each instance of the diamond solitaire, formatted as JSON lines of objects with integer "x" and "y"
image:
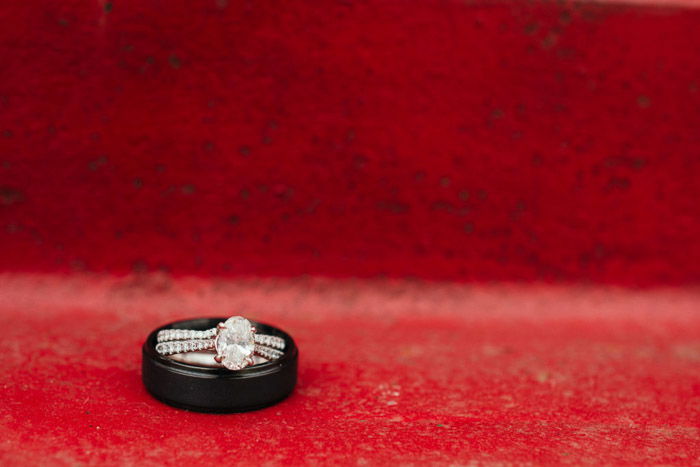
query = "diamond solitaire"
{"x": 235, "y": 342}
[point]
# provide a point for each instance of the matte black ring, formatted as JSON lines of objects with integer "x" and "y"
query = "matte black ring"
{"x": 219, "y": 390}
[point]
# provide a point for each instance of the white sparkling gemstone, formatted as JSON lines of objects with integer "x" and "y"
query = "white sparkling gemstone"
{"x": 235, "y": 343}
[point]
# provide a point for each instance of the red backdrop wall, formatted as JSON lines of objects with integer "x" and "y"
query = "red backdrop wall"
{"x": 450, "y": 140}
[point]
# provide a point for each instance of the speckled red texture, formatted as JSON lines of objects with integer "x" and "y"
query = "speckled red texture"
{"x": 441, "y": 139}
{"x": 391, "y": 373}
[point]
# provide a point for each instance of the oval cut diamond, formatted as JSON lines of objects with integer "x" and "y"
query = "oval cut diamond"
{"x": 235, "y": 343}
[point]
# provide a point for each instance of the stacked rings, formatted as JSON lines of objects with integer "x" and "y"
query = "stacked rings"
{"x": 236, "y": 343}
{"x": 219, "y": 365}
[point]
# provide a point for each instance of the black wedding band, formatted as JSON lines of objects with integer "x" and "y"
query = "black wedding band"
{"x": 206, "y": 389}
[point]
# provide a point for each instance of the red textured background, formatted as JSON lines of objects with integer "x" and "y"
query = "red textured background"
{"x": 439, "y": 139}
{"x": 507, "y": 192}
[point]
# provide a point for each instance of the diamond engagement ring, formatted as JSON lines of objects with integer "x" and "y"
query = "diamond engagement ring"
{"x": 235, "y": 342}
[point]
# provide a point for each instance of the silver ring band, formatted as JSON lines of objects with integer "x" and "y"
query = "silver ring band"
{"x": 168, "y": 335}
{"x": 185, "y": 346}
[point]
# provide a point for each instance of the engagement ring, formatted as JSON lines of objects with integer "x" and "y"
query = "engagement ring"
{"x": 234, "y": 341}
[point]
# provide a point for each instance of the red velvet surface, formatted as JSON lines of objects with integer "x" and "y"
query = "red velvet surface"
{"x": 454, "y": 140}
{"x": 478, "y": 219}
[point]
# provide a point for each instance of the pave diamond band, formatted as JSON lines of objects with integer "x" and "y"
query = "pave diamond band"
{"x": 235, "y": 342}
{"x": 167, "y": 335}
{"x": 184, "y": 334}
{"x": 175, "y": 347}
{"x": 170, "y": 348}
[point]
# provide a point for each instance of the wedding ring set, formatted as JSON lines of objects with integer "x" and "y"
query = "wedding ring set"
{"x": 220, "y": 365}
{"x": 233, "y": 344}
